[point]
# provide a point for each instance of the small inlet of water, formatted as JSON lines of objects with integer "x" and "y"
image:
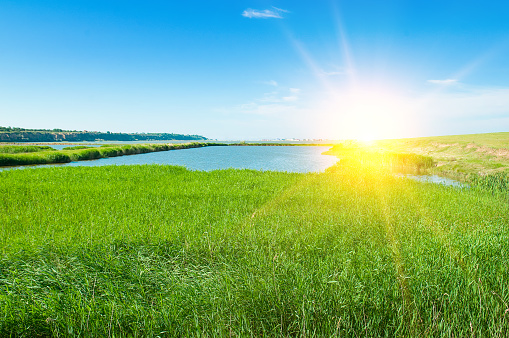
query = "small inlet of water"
{"x": 434, "y": 179}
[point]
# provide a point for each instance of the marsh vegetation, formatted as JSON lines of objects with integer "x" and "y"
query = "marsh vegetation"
{"x": 159, "y": 250}
{"x": 478, "y": 159}
{"x": 163, "y": 251}
{"x": 26, "y": 155}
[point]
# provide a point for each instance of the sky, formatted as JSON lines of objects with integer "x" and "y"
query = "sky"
{"x": 251, "y": 70}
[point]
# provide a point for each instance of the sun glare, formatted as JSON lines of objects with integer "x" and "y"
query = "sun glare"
{"x": 369, "y": 114}
{"x": 367, "y": 139}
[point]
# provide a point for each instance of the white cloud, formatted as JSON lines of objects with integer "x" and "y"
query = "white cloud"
{"x": 270, "y": 83}
{"x": 264, "y": 14}
{"x": 384, "y": 114}
{"x": 270, "y": 97}
{"x": 273, "y": 103}
{"x": 331, "y": 73}
{"x": 265, "y": 109}
{"x": 280, "y": 9}
{"x": 483, "y": 103}
{"x": 277, "y": 104}
{"x": 335, "y": 72}
{"x": 444, "y": 82}
{"x": 290, "y": 98}
{"x": 291, "y": 94}
{"x": 294, "y": 95}
{"x": 392, "y": 114}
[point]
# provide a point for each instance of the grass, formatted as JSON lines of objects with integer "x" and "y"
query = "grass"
{"x": 480, "y": 160}
{"x": 81, "y": 153}
{"x": 164, "y": 251}
{"x": 357, "y": 155}
{"x": 459, "y": 155}
{"x": 76, "y": 147}
{"x": 493, "y": 140}
{"x": 23, "y": 149}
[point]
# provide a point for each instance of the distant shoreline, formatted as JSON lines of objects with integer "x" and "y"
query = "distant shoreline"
{"x": 229, "y": 143}
{"x": 44, "y": 143}
{"x": 80, "y": 143}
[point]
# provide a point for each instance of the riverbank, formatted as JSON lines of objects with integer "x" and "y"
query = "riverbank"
{"x": 82, "y": 153}
{"x": 458, "y": 155}
{"x": 475, "y": 159}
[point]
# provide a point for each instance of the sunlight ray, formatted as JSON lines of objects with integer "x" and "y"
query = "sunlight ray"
{"x": 344, "y": 44}
{"x": 410, "y": 312}
{"x": 460, "y": 74}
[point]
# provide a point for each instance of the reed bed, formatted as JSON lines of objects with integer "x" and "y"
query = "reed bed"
{"x": 497, "y": 182}
{"x": 81, "y": 153}
{"x": 164, "y": 251}
{"x": 77, "y": 147}
{"x": 23, "y": 149}
{"x": 356, "y": 155}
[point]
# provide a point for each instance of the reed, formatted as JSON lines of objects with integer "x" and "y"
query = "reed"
{"x": 356, "y": 155}
{"x": 498, "y": 182}
{"x": 48, "y": 156}
{"x": 164, "y": 251}
{"x": 23, "y": 149}
{"x": 76, "y": 147}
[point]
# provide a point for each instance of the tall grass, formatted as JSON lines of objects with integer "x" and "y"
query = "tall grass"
{"x": 459, "y": 155}
{"x": 23, "y": 149}
{"x": 498, "y": 182}
{"x": 76, "y": 147}
{"x": 163, "y": 251}
{"x": 88, "y": 153}
{"x": 42, "y": 157}
{"x": 355, "y": 155}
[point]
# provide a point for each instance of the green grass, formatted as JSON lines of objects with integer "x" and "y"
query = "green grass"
{"x": 164, "y": 251}
{"x": 459, "y": 155}
{"x": 81, "y": 153}
{"x": 358, "y": 155}
{"x": 76, "y": 147}
{"x": 494, "y": 140}
{"x": 23, "y": 149}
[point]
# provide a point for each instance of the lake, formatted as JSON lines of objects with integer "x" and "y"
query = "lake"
{"x": 277, "y": 158}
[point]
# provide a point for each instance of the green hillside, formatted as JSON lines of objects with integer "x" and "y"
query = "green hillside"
{"x": 459, "y": 155}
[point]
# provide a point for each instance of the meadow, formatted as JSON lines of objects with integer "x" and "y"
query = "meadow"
{"x": 164, "y": 251}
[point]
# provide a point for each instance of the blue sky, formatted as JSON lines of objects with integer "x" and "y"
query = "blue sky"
{"x": 256, "y": 69}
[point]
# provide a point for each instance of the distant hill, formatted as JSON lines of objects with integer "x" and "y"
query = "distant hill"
{"x": 8, "y": 134}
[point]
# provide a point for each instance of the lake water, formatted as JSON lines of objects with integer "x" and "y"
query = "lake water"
{"x": 436, "y": 179}
{"x": 62, "y": 146}
{"x": 58, "y": 146}
{"x": 278, "y": 158}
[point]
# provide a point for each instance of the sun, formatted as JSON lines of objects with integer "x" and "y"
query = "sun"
{"x": 368, "y": 114}
{"x": 367, "y": 139}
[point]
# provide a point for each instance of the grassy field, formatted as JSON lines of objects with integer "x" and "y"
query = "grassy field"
{"x": 163, "y": 251}
{"x": 459, "y": 155}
